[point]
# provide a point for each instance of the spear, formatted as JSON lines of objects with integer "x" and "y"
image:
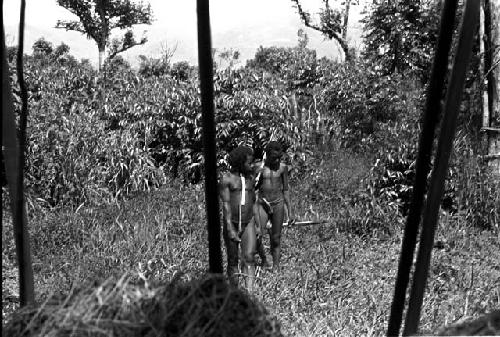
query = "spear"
{"x": 304, "y": 223}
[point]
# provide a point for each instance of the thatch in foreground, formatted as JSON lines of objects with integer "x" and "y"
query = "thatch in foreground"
{"x": 487, "y": 325}
{"x": 204, "y": 307}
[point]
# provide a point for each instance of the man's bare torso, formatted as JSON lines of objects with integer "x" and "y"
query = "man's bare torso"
{"x": 271, "y": 185}
{"x": 234, "y": 184}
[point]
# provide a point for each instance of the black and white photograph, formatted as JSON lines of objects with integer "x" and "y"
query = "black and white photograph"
{"x": 250, "y": 168}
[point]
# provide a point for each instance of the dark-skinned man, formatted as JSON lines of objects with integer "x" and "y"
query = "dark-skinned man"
{"x": 237, "y": 191}
{"x": 273, "y": 196}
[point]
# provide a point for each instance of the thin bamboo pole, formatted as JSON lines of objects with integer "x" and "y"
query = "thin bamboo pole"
{"x": 444, "y": 149}
{"x": 209, "y": 145}
{"x": 14, "y": 145}
{"x": 430, "y": 121}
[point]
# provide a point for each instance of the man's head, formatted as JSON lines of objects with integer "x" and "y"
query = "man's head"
{"x": 240, "y": 160}
{"x": 274, "y": 152}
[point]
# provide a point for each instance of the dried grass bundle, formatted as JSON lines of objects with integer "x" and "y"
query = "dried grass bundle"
{"x": 486, "y": 325}
{"x": 204, "y": 307}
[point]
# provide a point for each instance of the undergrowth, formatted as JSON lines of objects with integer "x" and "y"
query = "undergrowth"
{"x": 337, "y": 278}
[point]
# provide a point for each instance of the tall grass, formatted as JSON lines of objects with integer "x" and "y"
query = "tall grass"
{"x": 337, "y": 278}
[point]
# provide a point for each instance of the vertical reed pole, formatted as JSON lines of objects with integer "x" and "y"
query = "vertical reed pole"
{"x": 14, "y": 151}
{"x": 443, "y": 152}
{"x": 205, "y": 63}
{"x": 430, "y": 121}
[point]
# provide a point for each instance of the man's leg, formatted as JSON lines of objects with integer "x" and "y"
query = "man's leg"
{"x": 248, "y": 247}
{"x": 262, "y": 218}
{"x": 275, "y": 233}
{"x": 232, "y": 258}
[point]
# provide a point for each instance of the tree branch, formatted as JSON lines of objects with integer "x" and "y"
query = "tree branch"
{"x": 306, "y": 17}
{"x": 128, "y": 41}
{"x": 71, "y": 25}
{"x": 330, "y": 31}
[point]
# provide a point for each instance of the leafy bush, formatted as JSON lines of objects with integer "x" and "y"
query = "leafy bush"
{"x": 297, "y": 66}
{"x": 181, "y": 71}
{"x": 400, "y": 38}
{"x": 357, "y": 102}
{"x": 94, "y": 135}
{"x": 475, "y": 188}
{"x": 72, "y": 155}
{"x": 153, "y": 66}
{"x": 471, "y": 191}
{"x": 42, "y": 46}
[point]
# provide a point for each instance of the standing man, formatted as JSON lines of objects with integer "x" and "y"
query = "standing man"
{"x": 273, "y": 197}
{"x": 237, "y": 191}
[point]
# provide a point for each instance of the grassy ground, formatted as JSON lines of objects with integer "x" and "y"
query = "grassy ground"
{"x": 335, "y": 280}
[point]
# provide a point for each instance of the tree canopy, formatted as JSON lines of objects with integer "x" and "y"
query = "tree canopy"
{"x": 97, "y": 18}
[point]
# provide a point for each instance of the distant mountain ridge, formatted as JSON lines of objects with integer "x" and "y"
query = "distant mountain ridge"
{"x": 244, "y": 39}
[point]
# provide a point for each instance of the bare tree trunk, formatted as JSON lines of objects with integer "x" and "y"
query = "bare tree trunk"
{"x": 306, "y": 19}
{"x": 346, "y": 19}
{"x": 101, "y": 57}
{"x": 484, "y": 84}
{"x": 492, "y": 49}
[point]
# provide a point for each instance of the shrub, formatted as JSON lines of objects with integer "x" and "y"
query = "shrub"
{"x": 42, "y": 46}
{"x": 100, "y": 135}
{"x": 475, "y": 188}
{"x": 357, "y": 102}
{"x": 181, "y": 71}
{"x": 153, "y": 66}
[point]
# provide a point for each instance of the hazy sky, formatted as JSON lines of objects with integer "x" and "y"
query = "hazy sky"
{"x": 240, "y": 24}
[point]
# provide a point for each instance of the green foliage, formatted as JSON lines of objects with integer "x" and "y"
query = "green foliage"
{"x": 400, "y": 36}
{"x": 357, "y": 103}
{"x": 150, "y": 66}
{"x": 61, "y": 50}
{"x": 475, "y": 188}
{"x": 297, "y": 66}
{"x": 332, "y": 22}
{"x": 103, "y": 135}
{"x": 116, "y": 64}
{"x": 471, "y": 190}
{"x": 44, "y": 53}
{"x": 182, "y": 71}
{"x": 225, "y": 58}
{"x": 326, "y": 269}
{"x": 248, "y": 111}
{"x": 42, "y": 46}
{"x": 144, "y": 127}
{"x": 11, "y": 53}
{"x": 96, "y": 19}
{"x": 72, "y": 154}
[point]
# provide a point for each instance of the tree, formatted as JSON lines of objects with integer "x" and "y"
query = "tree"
{"x": 97, "y": 18}
{"x": 152, "y": 66}
{"x": 227, "y": 58}
{"x": 400, "y": 36}
{"x": 61, "y": 50}
{"x": 492, "y": 74}
{"x": 42, "y": 46}
{"x": 332, "y": 22}
{"x": 181, "y": 71}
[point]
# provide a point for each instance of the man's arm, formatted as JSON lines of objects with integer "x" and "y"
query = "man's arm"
{"x": 226, "y": 208}
{"x": 257, "y": 171}
{"x": 286, "y": 192}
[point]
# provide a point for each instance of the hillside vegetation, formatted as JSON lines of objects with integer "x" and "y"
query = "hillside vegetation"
{"x": 115, "y": 169}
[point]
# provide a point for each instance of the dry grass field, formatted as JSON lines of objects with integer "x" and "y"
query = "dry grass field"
{"x": 336, "y": 279}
